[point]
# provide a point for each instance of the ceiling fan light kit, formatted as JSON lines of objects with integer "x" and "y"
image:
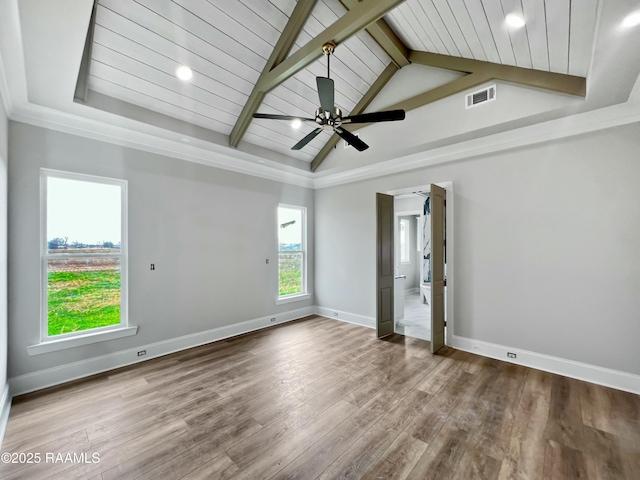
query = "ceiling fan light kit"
{"x": 329, "y": 117}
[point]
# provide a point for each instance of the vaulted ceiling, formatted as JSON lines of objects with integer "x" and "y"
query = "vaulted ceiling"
{"x": 138, "y": 45}
{"x": 107, "y": 68}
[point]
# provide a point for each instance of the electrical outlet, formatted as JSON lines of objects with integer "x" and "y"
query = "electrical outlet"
{"x": 267, "y": 262}
{"x": 335, "y": 314}
{"x": 153, "y": 266}
{"x": 273, "y": 319}
{"x": 142, "y": 352}
{"x": 511, "y": 355}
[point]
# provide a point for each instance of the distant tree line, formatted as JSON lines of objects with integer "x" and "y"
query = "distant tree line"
{"x": 290, "y": 246}
{"x": 61, "y": 243}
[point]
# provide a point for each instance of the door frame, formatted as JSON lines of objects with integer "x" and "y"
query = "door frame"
{"x": 425, "y": 188}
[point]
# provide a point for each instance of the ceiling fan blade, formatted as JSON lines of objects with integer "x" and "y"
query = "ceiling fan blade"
{"x": 306, "y": 139}
{"x": 326, "y": 92}
{"x": 280, "y": 117}
{"x": 388, "y": 116}
{"x": 351, "y": 139}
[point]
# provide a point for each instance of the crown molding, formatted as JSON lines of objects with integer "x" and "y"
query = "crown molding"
{"x": 226, "y": 158}
{"x": 579, "y": 124}
{"x": 157, "y": 140}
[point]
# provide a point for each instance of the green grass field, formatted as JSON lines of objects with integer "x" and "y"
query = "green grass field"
{"x": 289, "y": 271}
{"x": 290, "y": 282}
{"x": 80, "y": 300}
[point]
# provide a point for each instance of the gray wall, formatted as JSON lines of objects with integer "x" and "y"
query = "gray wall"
{"x": 3, "y": 245}
{"x": 208, "y": 231}
{"x": 546, "y": 246}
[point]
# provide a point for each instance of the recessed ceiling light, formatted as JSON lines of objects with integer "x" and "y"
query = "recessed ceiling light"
{"x": 296, "y": 123}
{"x": 515, "y": 21}
{"x": 631, "y": 20}
{"x": 184, "y": 73}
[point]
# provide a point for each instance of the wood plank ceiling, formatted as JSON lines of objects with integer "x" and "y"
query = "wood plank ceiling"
{"x": 558, "y": 35}
{"x": 137, "y": 46}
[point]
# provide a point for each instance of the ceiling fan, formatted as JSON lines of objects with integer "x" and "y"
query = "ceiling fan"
{"x": 329, "y": 117}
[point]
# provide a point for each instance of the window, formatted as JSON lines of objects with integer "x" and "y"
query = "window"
{"x": 404, "y": 241}
{"x": 291, "y": 251}
{"x": 84, "y": 254}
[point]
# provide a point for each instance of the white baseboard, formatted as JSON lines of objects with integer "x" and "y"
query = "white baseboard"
{"x": 568, "y": 368}
{"x": 72, "y": 371}
{"x": 627, "y": 382}
{"x": 346, "y": 317}
{"x": 412, "y": 290}
{"x": 84, "y": 368}
{"x": 5, "y": 407}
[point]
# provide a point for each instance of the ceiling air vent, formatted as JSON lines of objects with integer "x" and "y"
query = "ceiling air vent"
{"x": 481, "y": 96}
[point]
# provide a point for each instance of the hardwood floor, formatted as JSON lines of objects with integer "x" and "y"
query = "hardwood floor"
{"x": 318, "y": 398}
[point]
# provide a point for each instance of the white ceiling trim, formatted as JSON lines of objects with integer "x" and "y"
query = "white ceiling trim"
{"x": 197, "y": 151}
{"x": 587, "y": 122}
{"x": 240, "y": 162}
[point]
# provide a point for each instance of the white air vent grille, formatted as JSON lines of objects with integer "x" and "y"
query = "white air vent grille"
{"x": 481, "y": 96}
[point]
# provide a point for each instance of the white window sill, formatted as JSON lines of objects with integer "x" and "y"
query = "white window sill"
{"x": 70, "y": 342}
{"x": 293, "y": 298}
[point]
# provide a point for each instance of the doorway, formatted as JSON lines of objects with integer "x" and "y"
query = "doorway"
{"x": 411, "y": 288}
{"x": 401, "y": 214}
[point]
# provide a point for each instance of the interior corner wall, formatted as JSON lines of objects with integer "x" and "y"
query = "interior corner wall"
{"x": 545, "y": 245}
{"x": 4, "y": 140}
{"x": 208, "y": 231}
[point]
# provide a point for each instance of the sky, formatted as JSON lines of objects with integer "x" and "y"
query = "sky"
{"x": 85, "y": 212}
{"x": 291, "y": 233}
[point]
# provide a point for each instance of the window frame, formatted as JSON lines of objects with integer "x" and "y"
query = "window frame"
{"x": 303, "y": 294}
{"x": 93, "y": 333}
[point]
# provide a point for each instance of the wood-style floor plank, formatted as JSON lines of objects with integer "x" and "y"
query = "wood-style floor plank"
{"x": 322, "y": 399}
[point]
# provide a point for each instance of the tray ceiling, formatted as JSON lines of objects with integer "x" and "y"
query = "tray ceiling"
{"x": 137, "y": 46}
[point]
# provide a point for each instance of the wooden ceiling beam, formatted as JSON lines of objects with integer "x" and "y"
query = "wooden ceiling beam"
{"x": 361, "y": 16}
{"x": 384, "y": 35}
{"x": 557, "y": 82}
{"x": 280, "y": 52}
{"x": 364, "y": 102}
{"x": 476, "y": 73}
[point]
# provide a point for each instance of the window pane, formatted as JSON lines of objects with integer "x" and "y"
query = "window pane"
{"x": 83, "y": 293}
{"x": 82, "y": 217}
{"x": 290, "y": 272}
{"x": 290, "y": 229}
{"x": 404, "y": 246}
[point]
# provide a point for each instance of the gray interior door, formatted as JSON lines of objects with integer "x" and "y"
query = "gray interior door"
{"x": 385, "y": 270}
{"x": 437, "y": 267}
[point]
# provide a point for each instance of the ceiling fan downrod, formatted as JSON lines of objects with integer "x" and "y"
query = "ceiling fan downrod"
{"x": 328, "y": 49}
{"x": 329, "y": 116}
